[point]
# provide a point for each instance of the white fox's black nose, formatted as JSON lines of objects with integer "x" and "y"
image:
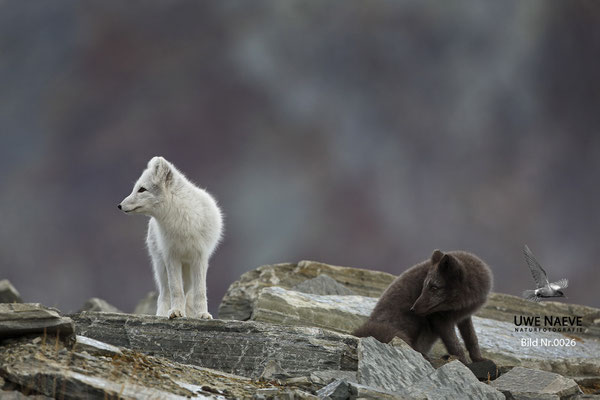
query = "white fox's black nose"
{"x": 119, "y": 206}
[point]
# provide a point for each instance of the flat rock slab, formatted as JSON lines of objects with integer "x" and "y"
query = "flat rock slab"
{"x": 65, "y": 373}
{"x": 344, "y": 390}
{"x": 530, "y": 382}
{"x": 392, "y": 368}
{"x": 8, "y": 293}
{"x": 238, "y": 302}
{"x": 236, "y": 347}
{"x": 96, "y": 347}
{"x": 453, "y": 381}
{"x": 289, "y": 307}
{"x": 29, "y": 318}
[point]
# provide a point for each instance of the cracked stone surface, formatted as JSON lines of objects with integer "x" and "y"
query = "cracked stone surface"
{"x": 288, "y": 307}
{"x": 243, "y": 348}
{"x": 58, "y": 371}
{"x": 520, "y": 382}
{"x": 27, "y": 318}
{"x": 453, "y": 381}
{"x": 392, "y": 368}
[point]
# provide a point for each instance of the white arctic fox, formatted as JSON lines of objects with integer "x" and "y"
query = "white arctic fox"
{"x": 184, "y": 229}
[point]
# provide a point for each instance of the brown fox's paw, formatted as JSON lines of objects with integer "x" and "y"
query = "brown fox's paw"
{"x": 175, "y": 313}
{"x": 205, "y": 315}
{"x": 484, "y": 369}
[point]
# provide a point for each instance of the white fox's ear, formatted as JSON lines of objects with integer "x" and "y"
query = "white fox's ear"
{"x": 161, "y": 170}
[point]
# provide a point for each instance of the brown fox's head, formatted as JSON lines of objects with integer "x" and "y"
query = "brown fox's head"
{"x": 441, "y": 285}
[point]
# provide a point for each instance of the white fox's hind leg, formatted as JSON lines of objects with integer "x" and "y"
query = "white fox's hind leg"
{"x": 174, "y": 275}
{"x": 162, "y": 282}
{"x": 196, "y": 302}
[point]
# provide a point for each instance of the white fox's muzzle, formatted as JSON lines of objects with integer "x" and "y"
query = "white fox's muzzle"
{"x": 129, "y": 205}
{"x": 128, "y": 210}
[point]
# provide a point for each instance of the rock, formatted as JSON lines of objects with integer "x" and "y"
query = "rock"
{"x": 343, "y": 390}
{"x": 337, "y": 390}
{"x": 484, "y": 370}
{"x": 232, "y": 346}
{"x": 387, "y": 367}
{"x": 95, "y": 347}
{"x": 326, "y": 377}
{"x": 401, "y": 370}
{"x": 520, "y": 382}
{"x": 8, "y": 293}
{"x": 60, "y": 372}
{"x": 498, "y": 339}
{"x": 273, "y": 371}
{"x": 324, "y": 285}
{"x": 16, "y": 395}
{"x": 29, "y": 318}
{"x": 288, "y": 307}
{"x": 238, "y": 302}
{"x": 99, "y": 305}
{"x": 453, "y": 381}
{"x": 358, "y": 391}
{"x": 147, "y": 305}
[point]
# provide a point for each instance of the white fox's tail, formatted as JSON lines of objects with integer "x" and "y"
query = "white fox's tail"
{"x": 530, "y": 295}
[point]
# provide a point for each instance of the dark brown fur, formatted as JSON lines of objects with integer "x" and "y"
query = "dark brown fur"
{"x": 429, "y": 299}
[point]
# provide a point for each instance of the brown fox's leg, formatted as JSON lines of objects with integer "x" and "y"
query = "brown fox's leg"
{"x": 448, "y": 335}
{"x": 470, "y": 337}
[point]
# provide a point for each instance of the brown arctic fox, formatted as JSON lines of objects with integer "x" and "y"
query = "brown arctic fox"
{"x": 428, "y": 300}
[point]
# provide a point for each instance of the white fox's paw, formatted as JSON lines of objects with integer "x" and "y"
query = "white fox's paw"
{"x": 175, "y": 313}
{"x": 204, "y": 315}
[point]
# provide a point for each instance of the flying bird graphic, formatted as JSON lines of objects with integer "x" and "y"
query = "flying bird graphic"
{"x": 544, "y": 287}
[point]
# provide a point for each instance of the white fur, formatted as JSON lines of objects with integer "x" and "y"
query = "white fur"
{"x": 184, "y": 229}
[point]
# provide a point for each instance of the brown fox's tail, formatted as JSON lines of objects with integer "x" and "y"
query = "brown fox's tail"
{"x": 530, "y": 295}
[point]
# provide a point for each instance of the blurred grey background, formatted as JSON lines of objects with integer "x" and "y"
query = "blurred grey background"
{"x": 355, "y": 133}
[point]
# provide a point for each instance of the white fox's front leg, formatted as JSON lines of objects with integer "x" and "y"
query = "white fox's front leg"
{"x": 196, "y": 301}
{"x": 174, "y": 274}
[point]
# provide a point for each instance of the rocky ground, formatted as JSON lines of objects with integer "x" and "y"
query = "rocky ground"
{"x": 283, "y": 333}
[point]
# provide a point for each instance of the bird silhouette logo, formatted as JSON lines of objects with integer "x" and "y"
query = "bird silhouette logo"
{"x": 544, "y": 287}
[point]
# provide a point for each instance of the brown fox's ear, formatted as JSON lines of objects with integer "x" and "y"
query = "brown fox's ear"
{"x": 450, "y": 267}
{"x": 436, "y": 256}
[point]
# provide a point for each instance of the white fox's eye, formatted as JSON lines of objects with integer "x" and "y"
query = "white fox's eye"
{"x": 141, "y": 190}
